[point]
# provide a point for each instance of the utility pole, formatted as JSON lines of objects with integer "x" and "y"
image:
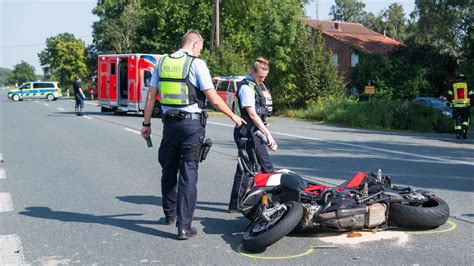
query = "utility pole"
{"x": 215, "y": 41}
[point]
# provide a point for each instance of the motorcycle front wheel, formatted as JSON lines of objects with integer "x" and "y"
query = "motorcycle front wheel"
{"x": 431, "y": 214}
{"x": 261, "y": 233}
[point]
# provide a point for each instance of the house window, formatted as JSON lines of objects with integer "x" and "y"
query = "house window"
{"x": 354, "y": 59}
{"x": 335, "y": 60}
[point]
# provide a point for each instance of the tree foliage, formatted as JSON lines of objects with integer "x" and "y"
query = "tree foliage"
{"x": 63, "y": 58}
{"x": 315, "y": 76}
{"x": 21, "y": 73}
{"x": 348, "y": 11}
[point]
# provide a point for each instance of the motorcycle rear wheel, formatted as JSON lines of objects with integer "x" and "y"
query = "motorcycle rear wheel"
{"x": 284, "y": 223}
{"x": 431, "y": 214}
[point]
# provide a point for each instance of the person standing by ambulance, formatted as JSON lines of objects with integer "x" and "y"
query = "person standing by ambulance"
{"x": 79, "y": 96}
{"x": 252, "y": 106}
{"x": 184, "y": 82}
{"x": 460, "y": 96}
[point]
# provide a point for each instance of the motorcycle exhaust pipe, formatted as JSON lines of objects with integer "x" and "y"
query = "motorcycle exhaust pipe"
{"x": 342, "y": 213}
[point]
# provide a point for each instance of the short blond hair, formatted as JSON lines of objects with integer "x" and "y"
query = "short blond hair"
{"x": 261, "y": 63}
{"x": 191, "y": 36}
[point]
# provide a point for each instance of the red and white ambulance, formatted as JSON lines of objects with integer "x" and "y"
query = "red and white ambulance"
{"x": 123, "y": 80}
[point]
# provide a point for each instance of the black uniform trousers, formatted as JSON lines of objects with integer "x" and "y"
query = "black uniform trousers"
{"x": 178, "y": 153}
{"x": 79, "y": 101}
{"x": 463, "y": 113}
{"x": 240, "y": 179}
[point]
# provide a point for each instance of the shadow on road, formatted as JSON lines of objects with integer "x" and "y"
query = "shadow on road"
{"x": 113, "y": 220}
{"x": 156, "y": 200}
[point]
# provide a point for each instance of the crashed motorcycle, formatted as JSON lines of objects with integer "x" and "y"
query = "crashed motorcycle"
{"x": 280, "y": 202}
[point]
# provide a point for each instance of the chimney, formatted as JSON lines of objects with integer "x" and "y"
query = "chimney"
{"x": 337, "y": 26}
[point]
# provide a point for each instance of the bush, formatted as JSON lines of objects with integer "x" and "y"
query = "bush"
{"x": 375, "y": 114}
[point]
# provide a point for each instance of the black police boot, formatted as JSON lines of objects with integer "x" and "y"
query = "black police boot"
{"x": 464, "y": 132}
{"x": 184, "y": 234}
{"x": 458, "y": 134}
{"x": 170, "y": 220}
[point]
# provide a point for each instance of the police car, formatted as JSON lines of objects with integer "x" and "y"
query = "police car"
{"x": 48, "y": 90}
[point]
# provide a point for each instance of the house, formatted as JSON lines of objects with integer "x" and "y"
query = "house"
{"x": 346, "y": 40}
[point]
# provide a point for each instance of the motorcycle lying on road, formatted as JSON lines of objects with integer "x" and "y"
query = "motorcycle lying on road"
{"x": 280, "y": 202}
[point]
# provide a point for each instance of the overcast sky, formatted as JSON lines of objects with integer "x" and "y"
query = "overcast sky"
{"x": 26, "y": 24}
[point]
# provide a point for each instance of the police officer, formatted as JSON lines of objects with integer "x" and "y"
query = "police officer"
{"x": 253, "y": 108}
{"x": 184, "y": 83}
{"x": 79, "y": 96}
{"x": 459, "y": 95}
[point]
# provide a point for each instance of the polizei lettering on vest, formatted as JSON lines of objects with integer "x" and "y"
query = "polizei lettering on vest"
{"x": 175, "y": 69}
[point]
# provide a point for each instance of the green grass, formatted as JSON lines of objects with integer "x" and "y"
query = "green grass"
{"x": 376, "y": 114}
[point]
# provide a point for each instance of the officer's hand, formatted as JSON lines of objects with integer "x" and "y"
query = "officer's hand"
{"x": 271, "y": 143}
{"x": 238, "y": 120}
{"x": 146, "y": 132}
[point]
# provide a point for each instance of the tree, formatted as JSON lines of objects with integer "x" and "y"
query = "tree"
{"x": 348, "y": 11}
{"x": 4, "y": 74}
{"x": 443, "y": 24}
{"x": 395, "y": 23}
{"x": 21, "y": 73}
{"x": 48, "y": 55}
{"x": 314, "y": 75}
{"x": 116, "y": 31}
{"x": 64, "y": 58}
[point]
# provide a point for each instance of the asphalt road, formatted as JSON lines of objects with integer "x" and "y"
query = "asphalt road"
{"x": 86, "y": 190}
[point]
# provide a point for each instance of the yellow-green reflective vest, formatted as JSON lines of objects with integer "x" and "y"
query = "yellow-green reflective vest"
{"x": 174, "y": 86}
{"x": 460, "y": 94}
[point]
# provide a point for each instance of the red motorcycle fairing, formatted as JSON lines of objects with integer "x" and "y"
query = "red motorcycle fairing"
{"x": 356, "y": 180}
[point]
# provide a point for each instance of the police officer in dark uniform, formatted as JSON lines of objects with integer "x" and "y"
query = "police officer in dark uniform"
{"x": 78, "y": 96}
{"x": 460, "y": 96}
{"x": 184, "y": 83}
{"x": 253, "y": 108}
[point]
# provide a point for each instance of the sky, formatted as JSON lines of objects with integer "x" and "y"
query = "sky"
{"x": 26, "y": 24}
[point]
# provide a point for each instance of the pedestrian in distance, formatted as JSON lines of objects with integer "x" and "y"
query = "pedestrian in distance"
{"x": 253, "y": 108}
{"x": 184, "y": 83}
{"x": 460, "y": 96}
{"x": 78, "y": 96}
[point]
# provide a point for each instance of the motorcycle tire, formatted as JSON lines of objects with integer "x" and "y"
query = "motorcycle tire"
{"x": 431, "y": 214}
{"x": 260, "y": 241}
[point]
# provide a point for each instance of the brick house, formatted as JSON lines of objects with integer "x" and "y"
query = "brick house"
{"x": 346, "y": 40}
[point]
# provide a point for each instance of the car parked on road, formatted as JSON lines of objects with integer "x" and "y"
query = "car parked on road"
{"x": 436, "y": 104}
{"x": 226, "y": 87}
{"x": 36, "y": 89}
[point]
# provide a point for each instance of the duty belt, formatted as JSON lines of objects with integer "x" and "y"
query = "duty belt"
{"x": 180, "y": 115}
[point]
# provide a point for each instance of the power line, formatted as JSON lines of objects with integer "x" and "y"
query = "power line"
{"x": 35, "y": 44}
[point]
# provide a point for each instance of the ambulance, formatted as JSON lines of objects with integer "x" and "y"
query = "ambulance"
{"x": 123, "y": 81}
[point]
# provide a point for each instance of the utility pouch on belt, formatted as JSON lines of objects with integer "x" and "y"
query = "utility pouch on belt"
{"x": 204, "y": 116}
{"x": 206, "y": 146}
{"x": 175, "y": 114}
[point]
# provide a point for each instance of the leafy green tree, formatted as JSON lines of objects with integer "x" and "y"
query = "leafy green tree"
{"x": 442, "y": 24}
{"x": 348, "y": 11}
{"x": 64, "y": 58}
{"x": 21, "y": 73}
{"x": 116, "y": 31}
{"x": 395, "y": 23}
{"x": 49, "y": 54}
{"x": 314, "y": 76}
{"x": 4, "y": 73}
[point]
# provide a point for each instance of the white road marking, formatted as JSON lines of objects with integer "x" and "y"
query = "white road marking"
{"x": 46, "y": 104}
{"x": 5, "y": 203}
{"x": 3, "y": 173}
{"x": 133, "y": 131}
{"x": 92, "y": 103}
{"x": 11, "y": 252}
{"x": 365, "y": 147}
{"x": 60, "y": 109}
{"x": 88, "y": 117}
